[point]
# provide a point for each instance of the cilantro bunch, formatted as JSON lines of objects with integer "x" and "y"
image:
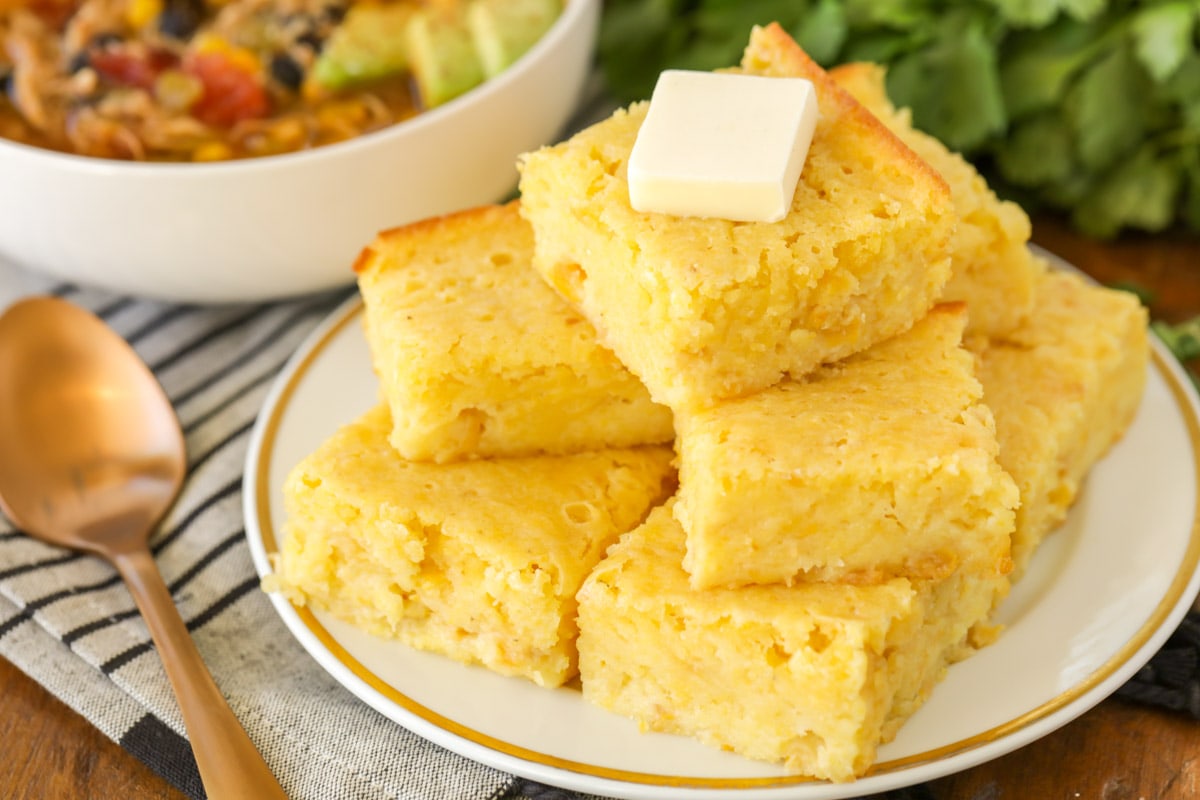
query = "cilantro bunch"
{"x": 1091, "y": 107}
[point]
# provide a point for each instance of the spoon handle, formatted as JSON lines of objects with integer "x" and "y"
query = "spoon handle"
{"x": 230, "y": 765}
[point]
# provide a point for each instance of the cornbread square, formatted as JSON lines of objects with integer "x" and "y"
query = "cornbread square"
{"x": 478, "y": 560}
{"x": 881, "y": 465}
{"x": 814, "y": 675}
{"x": 476, "y": 356}
{"x": 703, "y": 309}
{"x": 992, "y": 269}
{"x": 1063, "y": 387}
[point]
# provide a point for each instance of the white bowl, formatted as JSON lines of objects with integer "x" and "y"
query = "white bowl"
{"x": 283, "y": 225}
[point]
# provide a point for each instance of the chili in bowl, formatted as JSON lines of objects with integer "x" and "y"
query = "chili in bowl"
{"x": 116, "y": 187}
{"x": 211, "y": 80}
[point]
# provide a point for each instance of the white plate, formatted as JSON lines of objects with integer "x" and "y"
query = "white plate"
{"x": 1101, "y": 596}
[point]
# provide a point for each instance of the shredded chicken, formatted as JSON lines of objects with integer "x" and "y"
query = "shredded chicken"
{"x": 170, "y": 133}
{"x": 93, "y": 18}
{"x": 94, "y": 135}
{"x": 31, "y": 52}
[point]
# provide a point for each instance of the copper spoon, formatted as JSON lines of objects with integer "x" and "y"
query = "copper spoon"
{"x": 91, "y": 458}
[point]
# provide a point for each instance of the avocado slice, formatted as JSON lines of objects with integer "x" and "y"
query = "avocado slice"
{"x": 442, "y": 56}
{"x": 504, "y": 29}
{"x": 369, "y": 44}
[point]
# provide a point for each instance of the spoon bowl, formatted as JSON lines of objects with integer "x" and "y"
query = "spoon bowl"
{"x": 91, "y": 458}
{"x": 91, "y": 454}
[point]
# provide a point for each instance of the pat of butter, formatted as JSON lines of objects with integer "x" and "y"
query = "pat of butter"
{"x": 722, "y": 145}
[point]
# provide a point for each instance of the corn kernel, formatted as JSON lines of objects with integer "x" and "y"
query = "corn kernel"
{"x": 212, "y": 151}
{"x": 140, "y": 13}
{"x": 239, "y": 57}
{"x": 290, "y": 132}
{"x": 343, "y": 112}
{"x": 177, "y": 90}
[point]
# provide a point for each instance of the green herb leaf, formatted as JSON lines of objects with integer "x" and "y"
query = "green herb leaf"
{"x": 1139, "y": 193}
{"x": 897, "y": 14}
{"x": 722, "y": 26}
{"x": 1182, "y": 339}
{"x": 1039, "y": 13}
{"x": 1037, "y": 67}
{"x": 1107, "y": 107}
{"x": 639, "y": 38}
{"x": 1163, "y": 37}
{"x": 1026, "y": 13}
{"x": 1189, "y": 210}
{"x": 1070, "y": 191}
{"x": 883, "y": 46}
{"x": 1183, "y": 90}
{"x": 953, "y": 85}
{"x": 1038, "y": 151}
{"x": 1144, "y": 294}
{"x": 822, "y": 32}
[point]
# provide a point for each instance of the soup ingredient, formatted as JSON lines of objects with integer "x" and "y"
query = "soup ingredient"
{"x": 449, "y": 47}
{"x": 444, "y": 60}
{"x": 229, "y": 91}
{"x": 453, "y": 51}
{"x": 1091, "y": 108}
{"x": 203, "y": 80}
{"x": 369, "y": 45}
{"x": 504, "y": 29}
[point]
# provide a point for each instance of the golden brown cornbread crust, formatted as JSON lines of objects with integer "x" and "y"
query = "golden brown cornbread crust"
{"x": 772, "y": 51}
{"x": 477, "y": 357}
{"x": 814, "y": 676}
{"x": 1064, "y": 387}
{"x": 477, "y": 560}
{"x": 703, "y": 309}
{"x": 993, "y": 270}
{"x": 880, "y": 465}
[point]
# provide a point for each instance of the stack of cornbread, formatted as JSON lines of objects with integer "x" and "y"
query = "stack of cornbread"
{"x": 878, "y": 405}
{"x": 448, "y": 517}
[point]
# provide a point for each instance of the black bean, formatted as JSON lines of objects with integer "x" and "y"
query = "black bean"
{"x": 79, "y": 61}
{"x": 335, "y": 12}
{"x": 98, "y": 42}
{"x": 285, "y": 70}
{"x": 102, "y": 40}
{"x": 311, "y": 40}
{"x": 179, "y": 19}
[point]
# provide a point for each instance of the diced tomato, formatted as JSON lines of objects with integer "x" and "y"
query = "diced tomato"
{"x": 131, "y": 68}
{"x": 231, "y": 94}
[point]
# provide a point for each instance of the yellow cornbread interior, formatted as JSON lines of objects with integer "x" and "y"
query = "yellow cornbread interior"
{"x": 814, "y": 675}
{"x": 477, "y": 357}
{"x": 703, "y": 309}
{"x": 478, "y": 560}
{"x": 992, "y": 269}
{"x": 879, "y": 465}
{"x": 1064, "y": 387}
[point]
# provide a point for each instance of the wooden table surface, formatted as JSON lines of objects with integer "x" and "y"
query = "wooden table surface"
{"x": 1116, "y": 751}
